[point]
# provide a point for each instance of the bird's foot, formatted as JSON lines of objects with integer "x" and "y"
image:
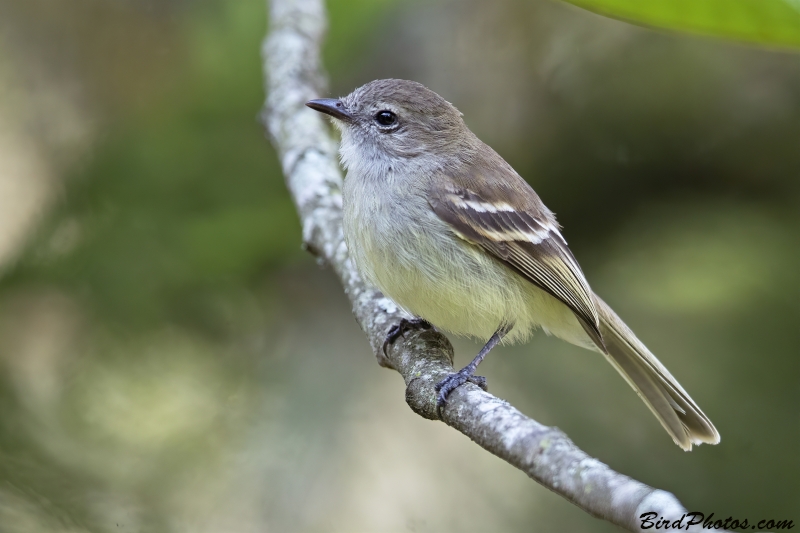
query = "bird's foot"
{"x": 452, "y": 382}
{"x": 405, "y": 325}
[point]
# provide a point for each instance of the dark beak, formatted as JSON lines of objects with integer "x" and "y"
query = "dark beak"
{"x": 330, "y": 106}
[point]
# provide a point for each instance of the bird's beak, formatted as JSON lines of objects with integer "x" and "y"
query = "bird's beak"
{"x": 330, "y": 106}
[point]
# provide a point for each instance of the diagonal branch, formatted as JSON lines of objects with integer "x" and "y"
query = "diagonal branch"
{"x": 308, "y": 154}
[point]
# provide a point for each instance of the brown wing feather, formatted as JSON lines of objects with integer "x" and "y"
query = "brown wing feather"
{"x": 524, "y": 236}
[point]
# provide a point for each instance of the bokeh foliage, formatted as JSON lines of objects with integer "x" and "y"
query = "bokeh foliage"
{"x": 184, "y": 197}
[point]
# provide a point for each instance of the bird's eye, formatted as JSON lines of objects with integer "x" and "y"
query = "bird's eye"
{"x": 385, "y": 118}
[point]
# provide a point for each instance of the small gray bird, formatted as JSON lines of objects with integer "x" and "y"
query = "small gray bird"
{"x": 442, "y": 225}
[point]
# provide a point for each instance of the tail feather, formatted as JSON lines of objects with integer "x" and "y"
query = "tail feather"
{"x": 662, "y": 393}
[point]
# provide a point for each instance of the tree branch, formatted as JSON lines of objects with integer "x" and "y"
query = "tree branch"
{"x": 308, "y": 154}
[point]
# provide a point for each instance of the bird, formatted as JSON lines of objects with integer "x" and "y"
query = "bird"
{"x": 440, "y": 223}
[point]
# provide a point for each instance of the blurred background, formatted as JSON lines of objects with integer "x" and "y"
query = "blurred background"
{"x": 171, "y": 361}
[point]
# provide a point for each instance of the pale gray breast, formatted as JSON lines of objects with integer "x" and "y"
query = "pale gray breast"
{"x": 388, "y": 225}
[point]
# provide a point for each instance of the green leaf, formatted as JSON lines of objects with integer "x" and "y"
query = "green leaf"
{"x": 767, "y": 22}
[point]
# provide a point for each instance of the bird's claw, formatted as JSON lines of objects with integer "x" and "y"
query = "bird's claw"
{"x": 451, "y": 383}
{"x": 399, "y": 330}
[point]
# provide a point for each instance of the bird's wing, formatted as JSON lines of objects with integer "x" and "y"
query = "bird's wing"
{"x": 509, "y": 221}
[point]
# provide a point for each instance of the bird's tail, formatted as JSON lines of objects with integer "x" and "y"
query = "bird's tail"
{"x": 662, "y": 393}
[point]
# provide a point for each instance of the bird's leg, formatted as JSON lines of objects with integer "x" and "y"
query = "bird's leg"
{"x": 398, "y": 330}
{"x": 453, "y": 381}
